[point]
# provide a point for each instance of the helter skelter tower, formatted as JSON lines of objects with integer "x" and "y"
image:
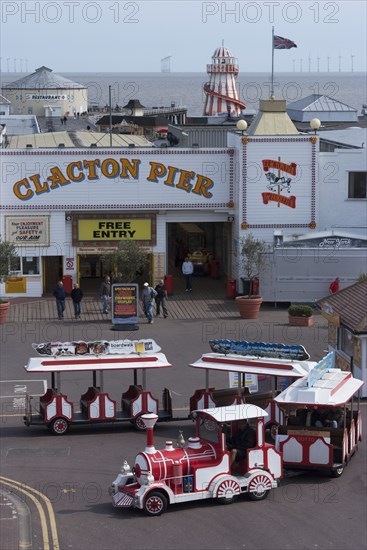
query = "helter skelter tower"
{"x": 221, "y": 91}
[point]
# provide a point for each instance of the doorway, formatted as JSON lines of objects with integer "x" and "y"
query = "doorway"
{"x": 204, "y": 241}
{"x": 52, "y": 273}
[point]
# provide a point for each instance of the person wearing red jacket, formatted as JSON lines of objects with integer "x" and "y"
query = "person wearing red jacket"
{"x": 334, "y": 286}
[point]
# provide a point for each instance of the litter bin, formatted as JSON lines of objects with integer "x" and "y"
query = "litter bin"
{"x": 68, "y": 283}
{"x": 245, "y": 286}
{"x": 215, "y": 269}
{"x": 255, "y": 285}
{"x": 168, "y": 283}
{"x": 231, "y": 288}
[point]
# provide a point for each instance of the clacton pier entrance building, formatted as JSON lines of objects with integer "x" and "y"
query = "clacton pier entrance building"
{"x": 63, "y": 207}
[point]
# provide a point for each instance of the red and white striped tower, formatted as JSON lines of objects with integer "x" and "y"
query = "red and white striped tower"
{"x": 221, "y": 92}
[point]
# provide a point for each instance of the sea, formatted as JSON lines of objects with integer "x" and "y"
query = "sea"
{"x": 186, "y": 89}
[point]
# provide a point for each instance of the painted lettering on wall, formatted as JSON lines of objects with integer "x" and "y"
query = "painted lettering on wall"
{"x": 84, "y": 171}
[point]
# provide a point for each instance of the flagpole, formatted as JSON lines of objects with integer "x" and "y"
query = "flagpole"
{"x": 272, "y": 64}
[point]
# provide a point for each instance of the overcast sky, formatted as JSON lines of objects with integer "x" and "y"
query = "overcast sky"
{"x": 117, "y": 36}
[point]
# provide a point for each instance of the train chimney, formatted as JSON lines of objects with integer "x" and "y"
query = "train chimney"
{"x": 149, "y": 420}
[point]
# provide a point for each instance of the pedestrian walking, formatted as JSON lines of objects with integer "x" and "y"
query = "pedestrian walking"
{"x": 334, "y": 286}
{"x": 60, "y": 295}
{"x": 148, "y": 296}
{"x": 188, "y": 270}
{"x": 105, "y": 293}
{"x": 161, "y": 299}
{"x": 76, "y": 296}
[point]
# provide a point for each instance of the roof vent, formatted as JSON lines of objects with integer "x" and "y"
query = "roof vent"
{"x": 29, "y": 146}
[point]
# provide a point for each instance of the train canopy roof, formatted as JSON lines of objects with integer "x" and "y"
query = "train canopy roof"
{"x": 335, "y": 387}
{"x": 244, "y": 411}
{"x": 254, "y": 365}
{"x": 68, "y": 363}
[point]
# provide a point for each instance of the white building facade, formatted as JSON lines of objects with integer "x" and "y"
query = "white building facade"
{"x": 63, "y": 208}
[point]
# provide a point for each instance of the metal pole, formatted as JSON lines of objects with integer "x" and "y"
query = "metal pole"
{"x": 109, "y": 98}
{"x": 272, "y": 63}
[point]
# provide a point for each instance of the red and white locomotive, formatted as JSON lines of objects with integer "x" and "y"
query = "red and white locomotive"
{"x": 199, "y": 469}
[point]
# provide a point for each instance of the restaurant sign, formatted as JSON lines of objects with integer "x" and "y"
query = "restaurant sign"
{"x": 27, "y": 229}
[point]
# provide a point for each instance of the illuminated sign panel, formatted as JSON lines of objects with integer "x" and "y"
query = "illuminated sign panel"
{"x": 114, "y": 230}
{"x": 125, "y": 304}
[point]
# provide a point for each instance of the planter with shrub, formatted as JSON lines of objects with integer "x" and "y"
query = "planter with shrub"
{"x": 300, "y": 315}
{"x": 253, "y": 260}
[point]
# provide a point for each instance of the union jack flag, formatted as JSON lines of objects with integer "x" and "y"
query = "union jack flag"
{"x": 280, "y": 43}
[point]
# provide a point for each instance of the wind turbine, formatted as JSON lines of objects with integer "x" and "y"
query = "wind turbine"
{"x": 352, "y": 57}
{"x": 7, "y": 63}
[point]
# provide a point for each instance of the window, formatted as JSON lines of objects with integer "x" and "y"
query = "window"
{"x": 357, "y": 185}
{"x": 27, "y": 265}
{"x": 346, "y": 341}
{"x": 30, "y": 265}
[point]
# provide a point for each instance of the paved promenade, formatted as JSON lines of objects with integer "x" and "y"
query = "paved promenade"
{"x": 206, "y": 310}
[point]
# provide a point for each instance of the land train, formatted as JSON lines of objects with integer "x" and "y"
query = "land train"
{"x": 201, "y": 468}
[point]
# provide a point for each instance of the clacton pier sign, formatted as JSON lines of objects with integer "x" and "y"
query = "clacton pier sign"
{"x": 84, "y": 170}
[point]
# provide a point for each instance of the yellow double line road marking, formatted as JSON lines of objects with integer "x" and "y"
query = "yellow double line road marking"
{"x": 38, "y": 499}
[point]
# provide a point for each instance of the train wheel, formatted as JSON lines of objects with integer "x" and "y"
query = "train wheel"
{"x": 59, "y": 426}
{"x": 155, "y": 503}
{"x": 337, "y": 472}
{"x": 259, "y": 487}
{"x": 139, "y": 424}
{"x": 227, "y": 491}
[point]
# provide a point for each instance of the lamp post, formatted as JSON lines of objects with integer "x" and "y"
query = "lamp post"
{"x": 242, "y": 126}
{"x": 315, "y": 124}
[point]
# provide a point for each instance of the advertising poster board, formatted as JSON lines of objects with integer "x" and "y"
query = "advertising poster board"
{"x": 125, "y": 306}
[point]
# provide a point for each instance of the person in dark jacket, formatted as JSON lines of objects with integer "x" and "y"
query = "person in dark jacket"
{"x": 161, "y": 299}
{"x": 244, "y": 439}
{"x": 76, "y": 296}
{"x": 60, "y": 295}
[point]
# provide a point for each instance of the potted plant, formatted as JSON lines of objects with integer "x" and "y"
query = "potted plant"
{"x": 300, "y": 315}
{"x": 8, "y": 263}
{"x": 127, "y": 262}
{"x": 253, "y": 260}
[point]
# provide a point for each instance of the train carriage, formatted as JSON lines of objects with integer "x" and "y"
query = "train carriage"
{"x": 55, "y": 410}
{"x": 322, "y": 425}
{"x": 271, "y": 362}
